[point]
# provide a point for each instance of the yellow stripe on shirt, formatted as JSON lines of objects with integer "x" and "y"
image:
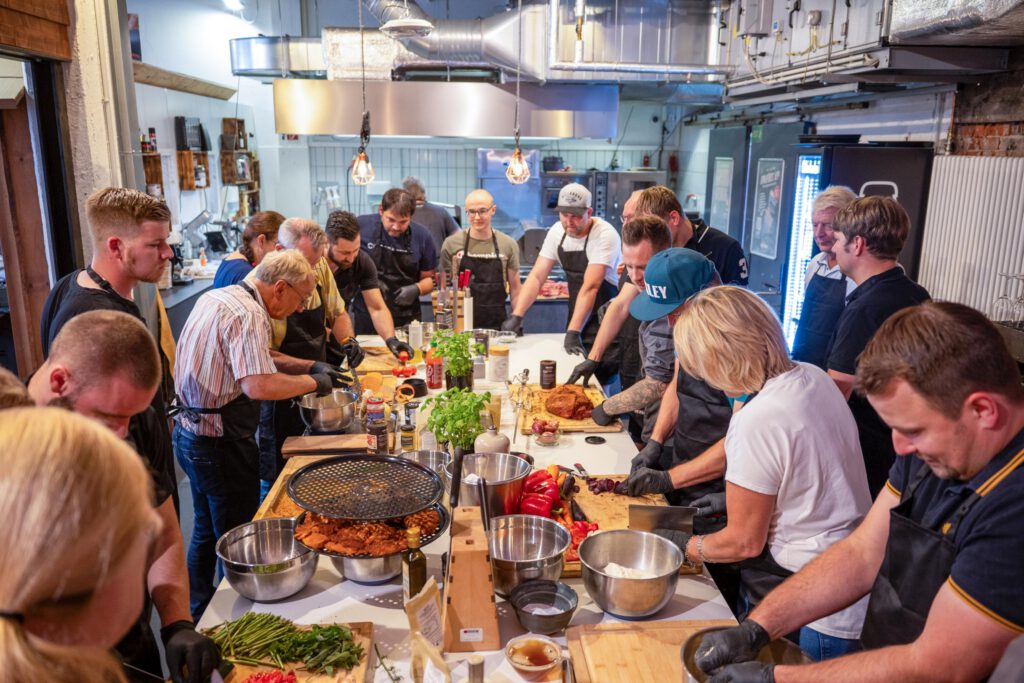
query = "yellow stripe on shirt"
{"x": 1004, "y": 472}
{"x": 895, "y": 491}
{"x": 1016, "y": 628}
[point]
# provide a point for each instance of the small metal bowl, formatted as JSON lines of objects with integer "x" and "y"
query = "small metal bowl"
{"x": 630, "y": 598}
{"x": 557, "y": 601}
{"x": 524, "y": 548}
{"x": 778, "y": 652}
{"x": 433, "y": 460}
{"x": 263, "y": 561}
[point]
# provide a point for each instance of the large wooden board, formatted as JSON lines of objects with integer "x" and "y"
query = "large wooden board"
{"x": 362, "y": 633}
{"x": 277, "y": 503}
{"x": 537, "y": 398}
{"x": 380, "y": 359}
{"x": 632, "y": 652}
{"x": 323, "y": 444}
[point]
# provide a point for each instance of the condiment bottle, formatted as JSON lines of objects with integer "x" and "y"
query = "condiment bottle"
{"x": 479, "y": 367}
{"x": 547, "y": 374}
{"x": 497, "y": 365}
{"x": 476, "y": 669}
{"x": 491, "y": 441}
{"x": 377, "y": 437}
{"x": 408, "y": 439}
{"x": 435, "y": 370}
{"x": 415, "y": 334}
{"x": 414, "y": 565}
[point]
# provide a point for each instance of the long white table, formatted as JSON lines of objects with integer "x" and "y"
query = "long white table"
{"x": 328, "y": 598}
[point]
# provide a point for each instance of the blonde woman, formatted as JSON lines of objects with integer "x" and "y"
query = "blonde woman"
{"x": 794, "y": 479}
{"x": 75, "y": 501}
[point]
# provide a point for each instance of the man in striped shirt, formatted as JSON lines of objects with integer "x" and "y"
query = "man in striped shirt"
{"x": 223, "y": 368}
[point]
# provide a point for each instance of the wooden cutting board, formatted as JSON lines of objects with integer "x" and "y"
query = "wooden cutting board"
{"x": 380, "y": 359}
{"x": 537, "y": 398}
{"x": 632, "y": 652}
{"x": 278, "y": 503}
{"x": 319, "y": 445}
{"x": 362, "y": 633}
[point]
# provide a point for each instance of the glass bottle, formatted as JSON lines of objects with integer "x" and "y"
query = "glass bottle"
{"x": 414, "y": 565}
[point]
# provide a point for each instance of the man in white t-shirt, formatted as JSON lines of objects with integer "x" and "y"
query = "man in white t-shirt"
{"x": 589, "y": 251}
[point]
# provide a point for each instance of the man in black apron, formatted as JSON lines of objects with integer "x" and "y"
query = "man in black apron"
{"x": 589, "y": 251}
{"x": 826, "y": 287}
{"x": 405, "y": 255}
{"x": 491, "y": 258}
{"x": 223, "y": 368}
{"x": 941, "y": 551}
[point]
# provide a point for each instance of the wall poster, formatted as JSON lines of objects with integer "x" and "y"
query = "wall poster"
{"x": 721, "y": 194}
{"x": 764, "y": 235}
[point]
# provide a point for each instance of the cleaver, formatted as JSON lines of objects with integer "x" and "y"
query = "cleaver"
{"x": 651, "y": 517}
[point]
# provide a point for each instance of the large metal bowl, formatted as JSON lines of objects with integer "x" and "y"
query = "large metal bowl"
{"x": 525, "y": 547}
{"x": 505, "y": 474}
{"x": 432, "y": 460}
{"x": 264, "y": 562}
{"x": 330, "y": 413}
{"x": 630, "y": 598}
{"x": 776, "y": 652}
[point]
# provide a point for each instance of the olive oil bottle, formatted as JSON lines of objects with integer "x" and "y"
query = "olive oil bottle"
{"x": 414, "y": 565}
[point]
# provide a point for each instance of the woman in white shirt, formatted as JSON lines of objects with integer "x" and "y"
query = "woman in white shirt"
{"x": 795, "y": 480}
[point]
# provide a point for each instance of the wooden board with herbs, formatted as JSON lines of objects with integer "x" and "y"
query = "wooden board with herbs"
{"x": 537, "y": 399}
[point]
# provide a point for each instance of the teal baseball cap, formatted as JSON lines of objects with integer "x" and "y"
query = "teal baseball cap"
{"x": 670, "y": 278}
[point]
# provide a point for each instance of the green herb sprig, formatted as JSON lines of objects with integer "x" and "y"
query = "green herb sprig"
{"x": 455, "y": 416}
{"x": 455, "y": 348}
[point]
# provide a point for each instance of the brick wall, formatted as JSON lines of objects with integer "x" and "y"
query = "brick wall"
{"x": 989, "y": 116}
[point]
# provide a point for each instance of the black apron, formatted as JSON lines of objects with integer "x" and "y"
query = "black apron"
{"x": 824, "y": 301}
{"x": 487, "y": 286}
{"x": 575, "y": 263}
{"x": 396, "y": 268}
{"x": 305, "y": 338}
{"x": 917, "y": 562}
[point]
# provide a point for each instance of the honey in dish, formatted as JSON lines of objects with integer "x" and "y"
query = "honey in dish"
{"x": 532, "y": 653}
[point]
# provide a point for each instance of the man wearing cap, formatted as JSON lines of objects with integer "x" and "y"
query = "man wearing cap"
{"x": 589, "y": 251}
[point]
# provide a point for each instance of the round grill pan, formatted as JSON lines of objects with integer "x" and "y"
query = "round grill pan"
{"x": 364, "y": 487}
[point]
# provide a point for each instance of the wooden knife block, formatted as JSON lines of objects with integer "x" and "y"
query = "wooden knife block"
{"x": 469, "y": 613}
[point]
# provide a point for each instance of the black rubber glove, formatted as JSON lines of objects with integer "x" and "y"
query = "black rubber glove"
{"x": 407, "y": 295}
{"x": 574, "y": 343}
{"x": 711, "y": 504}
{"x": 353, "y": 352}
{"x": 324, "y": 384}
{"x": 191, "y": 656}
{"x": 679, "y": 538}
{"x": 514, "y": 323}
{"x": 729, "y": 646}
{"x": 747, "y": 672}
{"x": 649, "y": 456}
{"x": 396, "y": 346}
{"x": 584, "y": 371}
{"x": 645, "y": 480}
{"x": 321, "y": 368}
{"x": 600, "y": 417}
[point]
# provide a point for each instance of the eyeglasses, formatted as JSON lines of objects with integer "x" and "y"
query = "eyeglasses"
{"x": 302, "y": 299}
{"x": 480, "y": 212}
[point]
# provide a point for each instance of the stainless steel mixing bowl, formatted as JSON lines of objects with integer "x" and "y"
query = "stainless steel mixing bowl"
{"x": 525, "y": 547}
{"x": 778, "y": 652}
{"x": 505, "y": 474}
{"x": 433, "y": 460}
{"x": 264, "y": 562}
{"x": 630, "y": 598}
{"x": 330, "y": 413}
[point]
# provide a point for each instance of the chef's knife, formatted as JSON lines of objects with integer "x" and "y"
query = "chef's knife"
{"x": 651, "y": 517}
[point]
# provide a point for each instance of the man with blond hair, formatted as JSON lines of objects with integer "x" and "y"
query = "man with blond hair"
{"x": 224, "y": 366}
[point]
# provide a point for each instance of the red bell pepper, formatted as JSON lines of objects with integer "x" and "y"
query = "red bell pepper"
{"x": 536, "y": 476}
{"x": 547, "y": 487}
{"x": 535, "y": 504}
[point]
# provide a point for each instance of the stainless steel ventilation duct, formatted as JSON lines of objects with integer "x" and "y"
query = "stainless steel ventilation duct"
{"x": 962, "y": 22}
{"x": 277, "y": 57}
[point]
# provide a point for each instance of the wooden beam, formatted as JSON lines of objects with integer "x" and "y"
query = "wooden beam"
{"x": 33, "y": 33}
{"x": 51, "y": 10}
{"x": 21, "y": 237}
{"x": 154, "y": 75}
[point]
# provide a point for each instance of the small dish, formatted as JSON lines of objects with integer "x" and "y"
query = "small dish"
{"x": 544, "y": 606}
{"x": 505, "y": 338}
{"x": 548, "y": 439}
{"x": 533, "y": 656}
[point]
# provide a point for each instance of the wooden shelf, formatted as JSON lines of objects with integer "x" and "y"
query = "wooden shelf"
{"x": 162, "y": 78}
{"x": 188, "y": 163}
{"x": 152, "y": 168}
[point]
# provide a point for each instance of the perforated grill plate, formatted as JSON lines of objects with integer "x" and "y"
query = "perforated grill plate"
{"x": 366, "y": 487}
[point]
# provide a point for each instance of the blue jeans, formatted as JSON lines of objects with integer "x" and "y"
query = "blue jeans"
{"x": 224, "y": 477}
{"x": 821, "y": 647}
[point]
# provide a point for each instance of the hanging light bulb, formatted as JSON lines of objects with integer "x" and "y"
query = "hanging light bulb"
{"x": 518, "y": 171}
{"x": 362, "y": 170}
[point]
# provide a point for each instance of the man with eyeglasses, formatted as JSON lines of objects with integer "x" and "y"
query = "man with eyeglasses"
{"x": 589, "y": 250}
{"x": 825, "y": 285}
{"x": 490, "y": 256}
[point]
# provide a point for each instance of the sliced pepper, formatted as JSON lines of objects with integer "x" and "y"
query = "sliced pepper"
{"x": 536, "y": 476}
{"x": 547, "y": 487}
{"x": 535, "y": 504}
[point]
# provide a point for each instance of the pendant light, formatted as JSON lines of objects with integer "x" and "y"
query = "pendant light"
{"x": 518, "y": 171}
{"x": 407, "y": 26}
{"x": 362, "y": 169}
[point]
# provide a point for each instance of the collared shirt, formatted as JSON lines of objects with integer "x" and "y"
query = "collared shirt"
{"x": 334, "y": 305}
{"x": 818, "y": 265}
{"x": 988, "y": 565}
{"x": 722, "y": 250}
{"x": 225, "y": 339}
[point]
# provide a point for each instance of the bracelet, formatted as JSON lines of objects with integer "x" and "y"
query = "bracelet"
{"x": 686, "y": 555}
{"x": 700, "y": 549}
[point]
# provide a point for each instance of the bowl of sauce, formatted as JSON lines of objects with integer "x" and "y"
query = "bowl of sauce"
{"x": 533, "y": 656}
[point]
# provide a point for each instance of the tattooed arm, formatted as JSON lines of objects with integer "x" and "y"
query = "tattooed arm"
{"x": 641, "y": 395}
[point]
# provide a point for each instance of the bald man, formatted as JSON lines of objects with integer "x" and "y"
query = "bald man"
{"x": 491, "y": 257}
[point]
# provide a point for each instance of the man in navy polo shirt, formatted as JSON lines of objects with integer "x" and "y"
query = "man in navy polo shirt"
{"x": 869, "y": 233}
{"x": 941, "y": 552}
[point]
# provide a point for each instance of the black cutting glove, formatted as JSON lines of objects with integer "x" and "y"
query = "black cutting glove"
{"x": 678, "y": 538}
{"x": 711, "y": 504}
{"x": 729, "y": 646}
{"x": 514, "y": 323}
{"x": 395, "y": 346}
{"x": 574, "y": 343}
{"x": 601, "y": 417}
{"x": 407, "y": 295}
{"x": 747, "y": 672}
{"x": 584, "y": 371}
{"x": 321, "y": 368}
{"x": 324, "y": 384}
{"x": 649, "y": 456}
{"x": 191, "y": 656}
{"x": 645, "y": 480}
{"x": 352, "y": 351}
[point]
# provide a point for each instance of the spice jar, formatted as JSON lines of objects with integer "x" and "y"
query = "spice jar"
{"x": 497, "y": 365}
{"x": 547, "y": 374}
{"x": 377, "y": 437}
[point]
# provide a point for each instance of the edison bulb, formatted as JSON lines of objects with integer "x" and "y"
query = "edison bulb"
{"x": 362, "y": 169}
{"x": 518, "y": 171}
